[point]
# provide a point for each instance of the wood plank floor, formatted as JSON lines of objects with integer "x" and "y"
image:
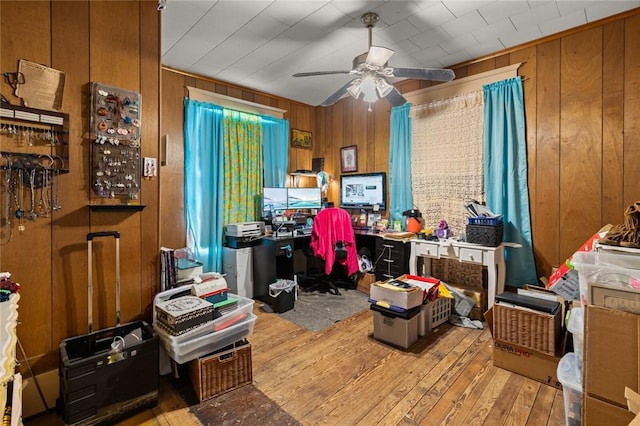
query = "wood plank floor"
{"x": 342, "y": 376}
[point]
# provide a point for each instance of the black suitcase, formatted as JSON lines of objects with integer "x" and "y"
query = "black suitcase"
{"x": 99, "y": 385}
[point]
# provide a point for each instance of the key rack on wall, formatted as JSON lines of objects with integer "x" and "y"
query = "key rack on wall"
{"x": 115, "y": 147}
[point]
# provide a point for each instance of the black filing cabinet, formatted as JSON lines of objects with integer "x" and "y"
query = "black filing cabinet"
{"x": 392, "y": 258}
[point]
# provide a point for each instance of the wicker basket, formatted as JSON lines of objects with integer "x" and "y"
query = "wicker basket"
{"x": 222, "y": 371}
{"x": 487, "y": 235}
{"x": 533, "y": 330}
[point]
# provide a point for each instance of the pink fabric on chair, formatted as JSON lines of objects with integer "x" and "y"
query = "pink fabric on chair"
{"x": 330, "y": 226}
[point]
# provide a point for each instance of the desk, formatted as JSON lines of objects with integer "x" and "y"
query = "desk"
{"x": 491, "y": 257}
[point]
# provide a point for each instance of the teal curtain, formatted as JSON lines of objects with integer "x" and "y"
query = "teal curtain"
{"x": 275, "y": 142}
{"x": 505, "y": 174}
{"x": 204, "y": 181}
{"x": 400, "y": 162}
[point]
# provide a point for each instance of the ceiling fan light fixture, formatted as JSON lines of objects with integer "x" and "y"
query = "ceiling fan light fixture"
{"x": 383, "y": 87}
{"x": 355, "y": 90}
{"x": 368, "y": 88}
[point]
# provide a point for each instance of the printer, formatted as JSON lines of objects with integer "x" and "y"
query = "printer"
{"x": 245, "y": 229}
{"x": 244, "y": 234}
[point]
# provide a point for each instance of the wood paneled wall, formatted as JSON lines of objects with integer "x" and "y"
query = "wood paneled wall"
{"x": 174, "y": 84}
{"x": 582, "y": 97}
{"x": 116, "y": 43}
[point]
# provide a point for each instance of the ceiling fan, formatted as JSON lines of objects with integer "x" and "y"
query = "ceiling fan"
{"x": 372, "y": 70}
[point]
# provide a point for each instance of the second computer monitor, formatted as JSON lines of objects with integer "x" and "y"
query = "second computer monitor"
{"x": 304, "y": 198}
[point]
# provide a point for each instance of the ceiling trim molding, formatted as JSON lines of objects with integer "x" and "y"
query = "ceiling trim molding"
{"x": 234, "y": 103}
{"x": 461, "y": 86}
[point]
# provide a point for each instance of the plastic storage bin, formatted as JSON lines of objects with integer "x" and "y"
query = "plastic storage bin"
{"x": 399, "y": 329}
{"x": 205, "y": 344}
{"x": 243, "y": 307}
{"x": 571, "y": 389}
{"x": 576, "y": 328}
{"x": 433, "y": 314}
{"x": 604, "y": 269}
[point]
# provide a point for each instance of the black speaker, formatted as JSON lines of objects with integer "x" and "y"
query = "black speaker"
{"x": 317, "y": 164}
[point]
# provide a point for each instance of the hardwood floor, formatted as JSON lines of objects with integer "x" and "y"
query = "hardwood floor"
{"x": 342, "y": 376}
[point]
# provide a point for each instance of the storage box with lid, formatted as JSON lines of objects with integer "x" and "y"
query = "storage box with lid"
{"x": 222, "y": 371}
{"x": 571, "y": 380}
{"x": 179, "y": 315}
{"x": 397, "y": 328}
{"x": 397, "y": 293}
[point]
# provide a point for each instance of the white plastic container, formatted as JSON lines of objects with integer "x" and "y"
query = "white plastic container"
{"x": 576, "y": 328}
{"x": 243, "y": 307}
{"x": 571, "y": 389}
{"x": 205, "y": 344}
{"x": 605, "y": 270}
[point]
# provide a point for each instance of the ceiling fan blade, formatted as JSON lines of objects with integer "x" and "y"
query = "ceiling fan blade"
{"x": 378, "y": 55}
{"x": 307, "y": 74}
{"x": 337, "y": 95}
{"x": 434, "y": 74}
{"x": 395, "y": 98}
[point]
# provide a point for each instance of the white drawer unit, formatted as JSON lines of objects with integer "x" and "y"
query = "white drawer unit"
{"x": 237, "y": 265}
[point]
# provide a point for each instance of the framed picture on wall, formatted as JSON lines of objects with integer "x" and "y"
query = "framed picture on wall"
{"x": 301, "y": 139}
{"x": 349, "y": 159}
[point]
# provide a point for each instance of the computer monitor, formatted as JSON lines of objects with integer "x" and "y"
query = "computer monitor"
{"x": 274, "y": 200}
{"x": 304, "y": 198}
{"x": 363, "y": 191}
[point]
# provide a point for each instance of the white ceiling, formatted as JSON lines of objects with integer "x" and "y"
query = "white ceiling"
{"x": 259, "y": 44}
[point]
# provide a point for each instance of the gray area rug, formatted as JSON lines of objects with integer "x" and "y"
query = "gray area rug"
{"x": 316, "y": 311}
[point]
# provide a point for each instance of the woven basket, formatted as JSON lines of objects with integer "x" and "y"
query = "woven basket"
{"x": 537, "y": 331}
{"x": 487, "y": 235}
{"x": 222, "y": 371}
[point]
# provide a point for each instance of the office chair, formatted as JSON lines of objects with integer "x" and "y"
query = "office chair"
{"x": 333, "y": 243}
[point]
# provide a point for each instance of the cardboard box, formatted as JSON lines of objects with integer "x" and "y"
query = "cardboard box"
{"x": 564, "y": 280}
{"x": 610, "y": 354}
{"x": 526, "y": 362}
{"x": 411, "y": 293}
{"x": 597, "y": 413}
{"x": 479, "y": 297}
{"x": 365, "y": 280}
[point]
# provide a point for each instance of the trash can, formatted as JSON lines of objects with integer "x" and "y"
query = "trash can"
{"x": 283, "y": 295}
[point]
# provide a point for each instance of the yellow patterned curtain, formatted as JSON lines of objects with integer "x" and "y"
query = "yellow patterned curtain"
{"x": 242, "y": 166}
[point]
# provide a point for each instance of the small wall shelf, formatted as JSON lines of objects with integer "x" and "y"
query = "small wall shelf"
{"x": 116, "y": 207}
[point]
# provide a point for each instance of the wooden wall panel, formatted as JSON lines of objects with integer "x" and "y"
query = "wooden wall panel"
{"x": 631, "y": 108}
{"x": 115, "y": 60}
{"x": 28, "y": 255}
{"x": 581, "y": 137}
{"x": 613, "y": 122}
{"x": 69, "y": 299}
{"x": 150, "y": 89}
{"x": 545, "y": 192}
{"x": 172, "y": 232}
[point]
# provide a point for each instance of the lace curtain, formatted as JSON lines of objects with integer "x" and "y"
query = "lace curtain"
{"x": 446, "y": 163}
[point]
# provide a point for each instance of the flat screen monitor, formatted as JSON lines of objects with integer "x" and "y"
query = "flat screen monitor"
{"x": 304, "y": 198}
{"x": 274, "y": 200}
{"x": 364, "y": 191}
